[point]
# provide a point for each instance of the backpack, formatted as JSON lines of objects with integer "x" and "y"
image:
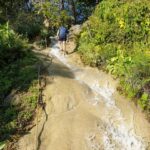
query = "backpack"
{"x": 63, "y": 32}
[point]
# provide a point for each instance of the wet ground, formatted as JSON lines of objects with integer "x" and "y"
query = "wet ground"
{"x": 85, "y": 112}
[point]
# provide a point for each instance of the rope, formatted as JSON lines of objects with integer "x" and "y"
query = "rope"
{"x": 36, "y": 136}
{"x": 40, "y": 103}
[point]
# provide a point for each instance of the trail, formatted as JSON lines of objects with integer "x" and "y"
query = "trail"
{"x": 85, "y": 112}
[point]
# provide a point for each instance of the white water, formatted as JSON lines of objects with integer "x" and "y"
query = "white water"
{"x": 117, "y": 134}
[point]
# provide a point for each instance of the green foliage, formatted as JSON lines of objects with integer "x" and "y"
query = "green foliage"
{"x": 10, "y": 8}
{"x": 52, "y": 17}
{"x": 12, "y": 49}
{"x": 119, "y": 64}
{"x": 15, "y": 117}
{"x": 2, "y": 145}
{"x": 11, "y": 45}
{"x": 45, "y": 34}
{"x": 22, "y": 76}
{"x": 51, "y": 12}
{"x": 28, "y": 24}
{"x": 144, "y": 100}
{"x": 116, "y": 38}
{"x": 18, "y": 72}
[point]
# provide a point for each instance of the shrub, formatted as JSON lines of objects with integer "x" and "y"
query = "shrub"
{"x": 18, "y": 72}
{"x": 11, "y": 45}
{"x": 116, "y": 37}
{"x": 28, "y": 25}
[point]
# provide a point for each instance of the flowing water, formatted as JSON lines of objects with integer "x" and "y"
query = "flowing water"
{"x": 116, "y": 133}
{"x": 84, "y": 111}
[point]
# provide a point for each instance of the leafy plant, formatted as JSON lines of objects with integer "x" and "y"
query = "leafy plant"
{"x": 28, "y": 24}
{"x": 144, "y": 100}
{"x": 18, "y": 72}
{"x": 2, "y": 145}
{"x": 52, "y": 14}
{"x": 11, "y": 45}
{"x": 116, "y": 38}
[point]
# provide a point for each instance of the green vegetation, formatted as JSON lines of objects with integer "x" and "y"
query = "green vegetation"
{"x": 28, "y": 25}
{"x": 51, "y": 17}
{"x": 18, "y": 73}
{"x": 116, "y": 38}
{"x": 21, "y": 22}
{"x": 2, "y": 145}
{"x": 16, "y": 115}
{"x": 14, "y": 51}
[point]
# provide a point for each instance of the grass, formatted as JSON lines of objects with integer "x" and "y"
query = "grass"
{"x": 17, "y": 112}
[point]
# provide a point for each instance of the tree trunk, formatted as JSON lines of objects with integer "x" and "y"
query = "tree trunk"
{"x": 73, "y": 8}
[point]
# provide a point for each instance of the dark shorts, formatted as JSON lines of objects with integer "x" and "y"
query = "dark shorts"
{"x": 62, "y": 38}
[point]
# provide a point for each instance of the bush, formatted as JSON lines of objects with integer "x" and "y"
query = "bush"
{"x": 116, "y": 37}
{"x": 15, "y": 117}
{"x": 28, "y": 25}
{"x": 18, "y": 72}
{"x": 12, "y": 46}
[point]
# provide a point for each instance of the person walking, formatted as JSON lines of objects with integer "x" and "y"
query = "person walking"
{"x": 62, "y": 37}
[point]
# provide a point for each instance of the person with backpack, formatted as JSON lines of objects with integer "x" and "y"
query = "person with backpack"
{"x": 62, "y": 37}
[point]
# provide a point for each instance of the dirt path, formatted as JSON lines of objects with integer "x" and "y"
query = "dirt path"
{"x": 85, "y": 112}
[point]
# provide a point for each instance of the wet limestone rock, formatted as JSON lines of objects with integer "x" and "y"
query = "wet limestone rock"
{"x": 74, "y": 32}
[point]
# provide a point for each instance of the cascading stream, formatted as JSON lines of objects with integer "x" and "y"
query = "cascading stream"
{"x": 117, "y": 134}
